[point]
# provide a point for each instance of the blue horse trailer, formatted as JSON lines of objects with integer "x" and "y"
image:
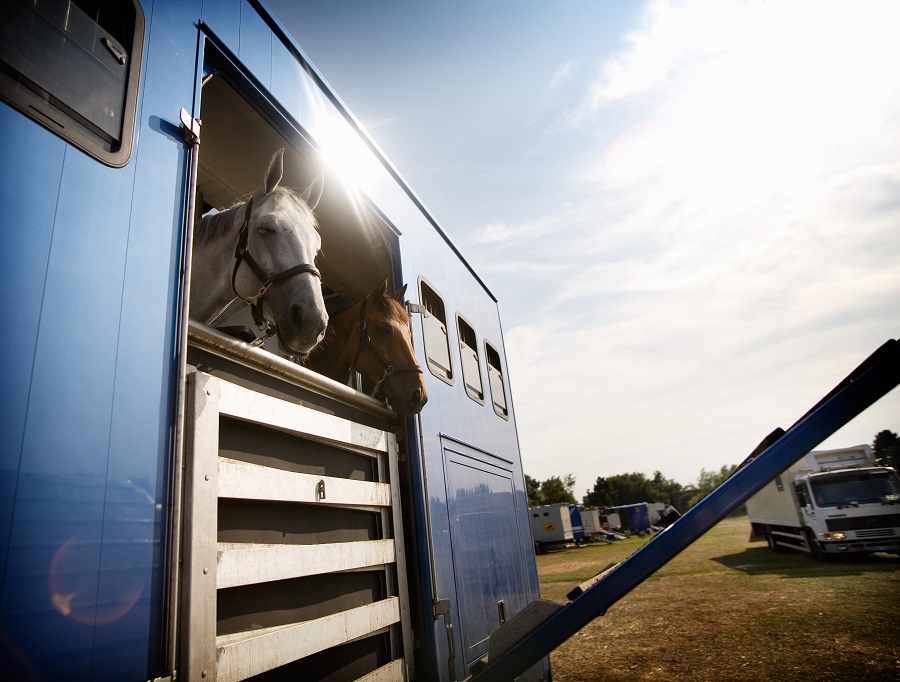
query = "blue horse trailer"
{"x": 176, "y": 502}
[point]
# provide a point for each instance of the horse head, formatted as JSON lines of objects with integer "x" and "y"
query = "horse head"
{"x": 374, "y": 338}
{"x": 274, "y": 269}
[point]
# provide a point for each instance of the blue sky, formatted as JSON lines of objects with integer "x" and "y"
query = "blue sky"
{"x": 689, "y": 211}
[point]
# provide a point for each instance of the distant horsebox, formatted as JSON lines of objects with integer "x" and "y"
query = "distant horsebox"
{"x": 181, "y": 498}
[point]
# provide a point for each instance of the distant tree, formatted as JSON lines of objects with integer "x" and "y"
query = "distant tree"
{"x": 558, "y": 490}
{"x": 622, "y": 489}
{"x": 665, "y": 487}
{"x": 886, "y": 448}
{"x": 533, "y": 488}
{"x": 709, "y": 481}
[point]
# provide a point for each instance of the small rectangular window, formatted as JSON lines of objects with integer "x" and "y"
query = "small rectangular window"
{"x": 434, "y": 329}
{"x": 73, "y": 66}
{"x": 471, "y": 367}
{"x": 495, "y": 380}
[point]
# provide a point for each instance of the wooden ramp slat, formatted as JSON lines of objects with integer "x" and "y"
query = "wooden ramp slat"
{"x": 392, "y": 672}
{"x": 248, "y": 564}
{"x": 241, "y": 403}
{"x": 254, "y": 482}
{"x": 245, "y": 654}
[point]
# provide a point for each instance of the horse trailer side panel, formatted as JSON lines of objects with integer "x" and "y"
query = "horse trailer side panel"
{"x": 82, "y": 583}
{"x": 255, "y": 46}
{"x": 223, "y": 18}
{"x": 67, "y": 431}
{"x": 23, "y": 260}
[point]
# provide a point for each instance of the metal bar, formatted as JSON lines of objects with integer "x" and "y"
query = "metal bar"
{"x": 245, "y": 481}
{"x": 406, "y": 618}
{"x": 198, "y": 588}
{"x": 259, "y": 408}
{"x": 879, "y": 374}
{"x": 173, "y": 540}
{"x": 249, "y": 564}
{"x": 245, "y": 654}
{"x": 392, "y": 672}
{"x": 228, "y": 347}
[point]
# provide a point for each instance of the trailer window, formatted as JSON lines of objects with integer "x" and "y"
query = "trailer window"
{"x": 495, "y": 379}
{"x": 73, "y": 66}
{"x": 434, "y": 329}
{"x": 471, "y": 367}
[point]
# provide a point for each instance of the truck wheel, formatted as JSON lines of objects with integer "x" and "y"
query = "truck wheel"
{"x": 815, "y": 548}
{"x": 771, "y": 540}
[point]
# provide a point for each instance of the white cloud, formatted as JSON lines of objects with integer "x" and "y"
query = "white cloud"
{"x": 734, "y": 252}
{"x": 561, "y": 75}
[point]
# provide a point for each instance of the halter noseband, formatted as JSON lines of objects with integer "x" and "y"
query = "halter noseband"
{"x": 242, "y": 255}
{"x": 366, "y": 342}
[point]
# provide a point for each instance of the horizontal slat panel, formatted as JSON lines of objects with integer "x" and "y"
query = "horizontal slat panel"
{"x": 243, "y": 564}
{"x": 392, "y": 672}
{"x": 255, "y": 482}
{"x": 241, "y": 403}
{"x": 243, "y": 655}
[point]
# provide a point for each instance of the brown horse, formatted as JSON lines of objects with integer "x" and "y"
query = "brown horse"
{"x": 373, "y": 337}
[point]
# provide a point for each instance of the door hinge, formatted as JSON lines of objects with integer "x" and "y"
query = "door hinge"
{"x": 442, "y": 610}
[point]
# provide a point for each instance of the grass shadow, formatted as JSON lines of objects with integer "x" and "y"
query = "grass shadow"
{"x": 763, "y": 561}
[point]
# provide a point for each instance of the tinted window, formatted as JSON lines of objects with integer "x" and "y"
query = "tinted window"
{"x": 495, "y": 379}
{"x": 73, "y": 67}
{"x": 471, "y": 367}
{"x": 434, "y": 329}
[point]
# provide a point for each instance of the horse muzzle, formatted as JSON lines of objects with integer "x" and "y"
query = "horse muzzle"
{"x": 302, "y": 330}
{"x": 409, "y": 403}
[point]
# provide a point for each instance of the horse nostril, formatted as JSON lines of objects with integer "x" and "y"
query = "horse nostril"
{"x": 418, "y": 398}
{"x": 296, "y": 312}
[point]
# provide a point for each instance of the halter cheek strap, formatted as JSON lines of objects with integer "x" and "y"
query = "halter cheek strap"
{"x": 242, "y": 255}
{"x": 365, "y": 342}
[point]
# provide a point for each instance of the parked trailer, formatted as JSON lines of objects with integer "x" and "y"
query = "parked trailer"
{"x": 830, "y": 502}
{"x": 590, "y": 520}
{"x": 632, "y": 517}
{"x": 551, "y": 527}
{"x": 173, "y": 501}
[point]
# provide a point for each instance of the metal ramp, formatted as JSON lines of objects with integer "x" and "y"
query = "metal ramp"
{"x": 543, "y": 626}
{"x": 293, "y": 545}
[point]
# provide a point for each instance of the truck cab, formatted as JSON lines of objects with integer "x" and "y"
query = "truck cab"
{"x": 852, "y": 509}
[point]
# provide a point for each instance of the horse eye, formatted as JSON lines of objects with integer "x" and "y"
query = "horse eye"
{"x": 384, "y": 330}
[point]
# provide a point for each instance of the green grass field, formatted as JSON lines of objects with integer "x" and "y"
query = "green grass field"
{"x": 730, "y": 609}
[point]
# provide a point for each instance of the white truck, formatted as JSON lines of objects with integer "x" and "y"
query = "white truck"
{"x": 830, "y": 502}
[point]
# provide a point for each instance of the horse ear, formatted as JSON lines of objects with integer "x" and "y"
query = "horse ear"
{"x": 400, "y": 293}
{"x": 313, "y": 194}
{"x": 382, "y": 289}
{"x": 275, "y": 171}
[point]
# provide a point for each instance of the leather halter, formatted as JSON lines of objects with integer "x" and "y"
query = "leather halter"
{"x": 365, "y": 342}
{"x": 242, "y": 255}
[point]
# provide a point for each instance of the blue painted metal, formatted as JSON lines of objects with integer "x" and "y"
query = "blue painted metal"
{"x": 577, "y": 526}
{"x": 92, "y": 279}
{"x": 86, "y": 391}
{"x": 878, "y": 375}
{"x": 637, "y": 516}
